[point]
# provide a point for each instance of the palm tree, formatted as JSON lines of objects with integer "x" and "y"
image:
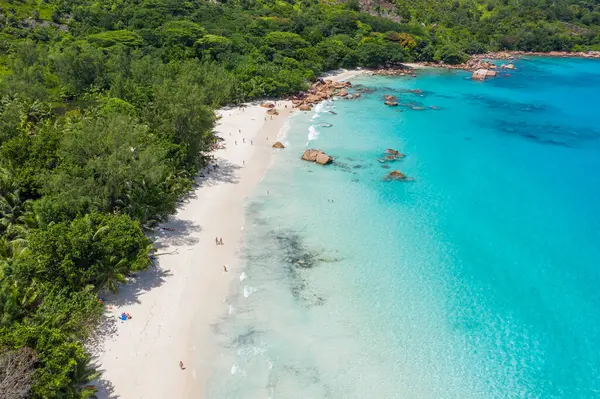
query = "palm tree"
{"x": 82, "y": 375}
{"x": 114, "y": 272}
{"x": 16, "y": 215}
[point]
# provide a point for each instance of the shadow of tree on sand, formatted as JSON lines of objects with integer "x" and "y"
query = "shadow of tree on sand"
{"x": 174, "y": 234}
{"x": 142, "y": 282}
{"x": 224, "y": 172}
{"x": 106, "y": 390}
{"x": 170, "y": 237}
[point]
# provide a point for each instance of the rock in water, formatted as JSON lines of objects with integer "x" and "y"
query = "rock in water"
{"x": 304, "y": 107}
{"x": 310, "y": 155}
{"x": 343, "y": 93}
{"x": 479, "y": 74}
{"x": 397, "y": 175}
{"x": 317, "y": 156}
{"x": 278, "y": 144}
{"x": 391, "y": 103}
{"x": 323, "y": 159}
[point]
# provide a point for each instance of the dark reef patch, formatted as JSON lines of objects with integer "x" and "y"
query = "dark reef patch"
{"x": 506, "y": 105}
{"x": 298, "y": 260}
{"x": 547, "y": 133}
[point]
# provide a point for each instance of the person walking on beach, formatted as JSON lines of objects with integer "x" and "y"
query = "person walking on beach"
{"x": 221, "y": 241}
{"x": 217, "y": 240}
{"x": 225, "y": 268}
{"x": 181, "y": 365}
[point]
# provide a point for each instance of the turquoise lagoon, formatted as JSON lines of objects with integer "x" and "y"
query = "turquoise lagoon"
{"x": 480, "y": 279}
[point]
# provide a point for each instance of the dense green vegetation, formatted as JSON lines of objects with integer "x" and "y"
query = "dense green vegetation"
{"x": 106, "y": 113}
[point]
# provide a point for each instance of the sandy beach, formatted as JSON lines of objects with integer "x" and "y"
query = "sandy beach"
{"x": 174, "y": 304}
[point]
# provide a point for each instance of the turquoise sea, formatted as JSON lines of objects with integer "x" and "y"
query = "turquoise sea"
{"x": 480, "y": 279}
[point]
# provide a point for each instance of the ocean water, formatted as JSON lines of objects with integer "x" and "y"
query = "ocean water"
{"x": 480, "y": 279}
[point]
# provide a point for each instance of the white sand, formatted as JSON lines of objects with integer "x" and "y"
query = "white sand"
{"x": 174, "y": 305}
{"x": 344, "y": 74}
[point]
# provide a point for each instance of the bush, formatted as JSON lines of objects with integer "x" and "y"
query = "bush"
{"x": 451, "y": 55}
{"x": 116, "y": 37}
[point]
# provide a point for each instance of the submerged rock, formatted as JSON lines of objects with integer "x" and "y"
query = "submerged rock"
{"x": 391, "y": 103}
{"x": 397, "y": 175}
{"x": 278, "y": 144}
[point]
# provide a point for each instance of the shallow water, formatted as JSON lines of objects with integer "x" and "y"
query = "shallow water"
{"x": 478, "y": 279}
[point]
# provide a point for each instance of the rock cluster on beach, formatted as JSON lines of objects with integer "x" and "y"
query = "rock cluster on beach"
{"x": 398, "y": 71}
{"x": 321, "y": 90}
{"x": 278, "y": 144}
{"x": 317, "y": 156}
{"x": 511, "y": 55}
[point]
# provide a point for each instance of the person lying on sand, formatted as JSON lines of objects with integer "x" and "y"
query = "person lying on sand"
{"x": 125, "y": 316}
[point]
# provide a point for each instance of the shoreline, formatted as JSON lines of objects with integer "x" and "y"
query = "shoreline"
{"x": 174, "y": 304}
